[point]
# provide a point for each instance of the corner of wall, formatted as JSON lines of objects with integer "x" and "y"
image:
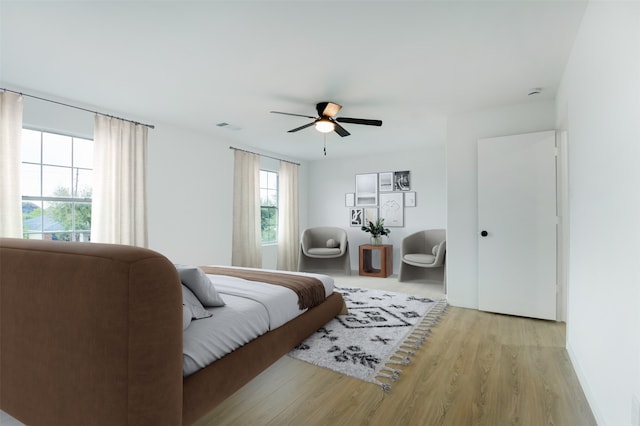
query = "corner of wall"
{"x": 584, "y": 383}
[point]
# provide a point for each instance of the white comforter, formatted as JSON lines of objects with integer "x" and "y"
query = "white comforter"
{"x": 252, "y": 308}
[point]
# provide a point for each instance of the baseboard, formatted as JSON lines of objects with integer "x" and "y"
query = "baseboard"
{"x": 584, "y": 384}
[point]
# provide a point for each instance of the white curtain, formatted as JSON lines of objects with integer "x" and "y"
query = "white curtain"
{"x": 119, "y": 212}
{"x": 10, "y": 137}
{"x": 247, "y": 242}
{"x": 288, "y": 238}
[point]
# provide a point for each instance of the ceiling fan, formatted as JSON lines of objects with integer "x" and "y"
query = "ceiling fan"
{"x": 327, "y": 121}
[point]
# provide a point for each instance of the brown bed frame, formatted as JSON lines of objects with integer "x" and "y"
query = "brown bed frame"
{"x": 92, "y": 334}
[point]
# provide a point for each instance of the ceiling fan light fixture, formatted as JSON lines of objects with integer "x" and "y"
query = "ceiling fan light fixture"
{"x": 325, "y": 126}
{"x": 325, "y": 121}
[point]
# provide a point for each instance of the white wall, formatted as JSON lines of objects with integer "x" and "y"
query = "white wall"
{"x": 330, "y": 179}
{"x": 54, "y": 118}
{"x": 601, "y": 96}
{"x": 190, "y": 195}
{"x": 462, "y": 187}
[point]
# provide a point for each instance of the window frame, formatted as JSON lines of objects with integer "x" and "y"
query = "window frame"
{"x": 74, "y": 233}
{"x": 274, "y": 207}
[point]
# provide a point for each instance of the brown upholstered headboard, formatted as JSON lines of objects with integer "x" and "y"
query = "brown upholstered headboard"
{"x": 89, "y": 334}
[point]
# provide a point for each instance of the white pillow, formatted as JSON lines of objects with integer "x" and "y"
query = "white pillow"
{"x": 191, "y": 308}
{"x": 434, "y": 250}
{"x": 331, "y": 243}
{"x": 198, "y": 282}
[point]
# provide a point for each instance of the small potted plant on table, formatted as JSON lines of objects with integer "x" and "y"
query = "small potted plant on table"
{"x": 377, "y": 230}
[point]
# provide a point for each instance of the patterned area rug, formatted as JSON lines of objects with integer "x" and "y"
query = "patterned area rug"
{"x": 379, "y": 335}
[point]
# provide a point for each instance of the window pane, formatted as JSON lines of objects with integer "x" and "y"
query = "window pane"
{"x": 82, "y": 183}
{"x": 56, "y": 181}
{"x": 266, "y": 201}
{"x": 273, "y": 198}
{"x": 269, "y": 204}
{"x": 31, "y": 216}
{"x": 83, "y": 236}
{"x": 58, "y": 236}
{"x": 273, "y": 181}
{"x": 30, "y": 146}
{"x": 57, "y": 216}
{"x": 56, "y": 149}
{"x": 30, "y": 180}
{"x": 268, "y": 224}
{"x": 82, "y": 153}
{"x": 82, "y": 217}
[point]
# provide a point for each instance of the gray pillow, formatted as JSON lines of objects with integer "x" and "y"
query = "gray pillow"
{"x": 434, "y": 250}
{"x": 198, "y": 282}
{"x": 191, "y": 308}
{"x": 331, "y": 243}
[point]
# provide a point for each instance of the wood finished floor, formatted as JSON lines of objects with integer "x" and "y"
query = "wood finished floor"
{"x": 475, "y": 368}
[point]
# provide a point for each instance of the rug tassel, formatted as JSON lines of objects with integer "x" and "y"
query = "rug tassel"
{"x": 402, "y": 361}
{"x": 414, "y": 341}
{"x": 393, "y": 376}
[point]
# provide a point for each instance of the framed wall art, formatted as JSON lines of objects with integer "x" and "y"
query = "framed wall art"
{"x": 410, "y": 199}
{"x": 385, "y": 181}
{"x": 367, "y": 189}
{"x": 349, "y": 199}
{"x": 356, "y": 216}
{"x": 370, "y": 215}
{"x": 392, "y": 208}
{"x": 402, "y": 181}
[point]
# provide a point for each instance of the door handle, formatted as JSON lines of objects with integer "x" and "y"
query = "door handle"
{"x": 484, "y": 233}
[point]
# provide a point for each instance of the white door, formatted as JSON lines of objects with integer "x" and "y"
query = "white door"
{"x": 517, "y": 225}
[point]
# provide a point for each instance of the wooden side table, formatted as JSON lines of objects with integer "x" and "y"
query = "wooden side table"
{"x": 386, "y": 260}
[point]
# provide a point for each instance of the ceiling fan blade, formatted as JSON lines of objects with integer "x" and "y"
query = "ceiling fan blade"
{"x": 341, "y": 130}
{"x": 296, "y": 115}
{"x": 359, "y": 121}
{"x": 302, "y": 127}
{"x": 328, "y": 109}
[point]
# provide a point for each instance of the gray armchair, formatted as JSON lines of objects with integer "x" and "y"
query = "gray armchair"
{"x": 423, "y": 255}
{"x": 324, "y": 248}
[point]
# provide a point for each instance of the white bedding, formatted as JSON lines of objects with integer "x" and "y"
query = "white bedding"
{"x": 251, "y": 310}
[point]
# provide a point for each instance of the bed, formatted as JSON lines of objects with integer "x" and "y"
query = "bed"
{"x": 243, "y": 306}
{"x": 93, "y": 334}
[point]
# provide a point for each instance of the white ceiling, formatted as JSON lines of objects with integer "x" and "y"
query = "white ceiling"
{"x": 196, "y": 64}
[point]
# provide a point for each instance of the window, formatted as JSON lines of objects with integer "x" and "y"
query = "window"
{"x": 56, "y": 186}
{"x": 269, "y": 206}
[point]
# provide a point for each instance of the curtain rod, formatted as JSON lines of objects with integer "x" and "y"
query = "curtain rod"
{"x": 151, "y": 126}
{"x": 262, "y": 155}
